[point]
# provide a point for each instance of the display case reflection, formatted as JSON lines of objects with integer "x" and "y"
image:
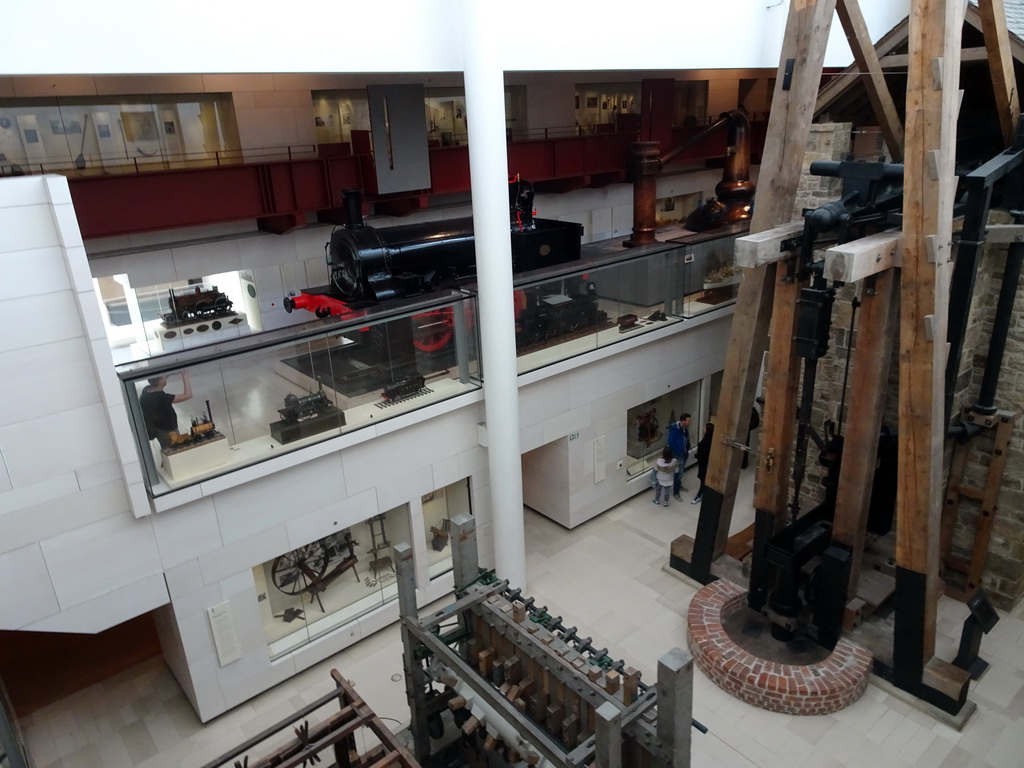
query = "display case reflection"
{"x": 577, "y": 313}
{"x": 439, "y": 507}
{"x": 329, "y": 582}
{"x": 647, "y": 426}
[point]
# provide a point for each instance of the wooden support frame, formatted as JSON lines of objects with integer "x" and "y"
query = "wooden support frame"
{"x": 876, "y": 332}
{"x": 866, "y": 58}
{"x": 859, "y": 259}
{"x": 1000, "y": 64}
{"x": 929, "y": 185}
{"x": 766, "y": 247}
{"x": 803, "y": 49}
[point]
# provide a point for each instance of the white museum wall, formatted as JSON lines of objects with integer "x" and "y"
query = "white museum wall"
{"x": 430, "y": 38}
{"x": 69, "y": 475}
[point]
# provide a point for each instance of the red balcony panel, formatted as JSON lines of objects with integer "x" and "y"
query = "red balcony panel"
{"x": 569, "y": 156}
{"x": 342, "y": 173}
{"x": 532, "y": 160}
{"x": 606, "y": 154}
{"x": 449, "y": 169}
{"x": 118, "y": 205}
{"x": 309, "y": 180}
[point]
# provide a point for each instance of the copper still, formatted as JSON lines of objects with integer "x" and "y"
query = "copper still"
{"x": 734, "y": 193}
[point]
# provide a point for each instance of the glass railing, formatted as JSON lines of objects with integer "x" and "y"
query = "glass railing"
{"x": 613, "y": 294}
{"x": 204, "y": 412}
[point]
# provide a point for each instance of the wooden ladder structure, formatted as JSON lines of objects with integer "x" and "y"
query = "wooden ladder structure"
{"x": 912, "y": 266}
{"x": 1001, "y": 424}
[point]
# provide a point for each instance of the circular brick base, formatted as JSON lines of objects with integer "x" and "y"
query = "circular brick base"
{"x": 814, "y": 689}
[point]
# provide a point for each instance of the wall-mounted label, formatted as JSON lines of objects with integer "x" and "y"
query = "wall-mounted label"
{"x": 225, "y": 638}
{"x": 574, "y": 436}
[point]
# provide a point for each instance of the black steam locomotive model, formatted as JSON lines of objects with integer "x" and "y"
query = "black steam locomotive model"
{"x": 196, "y": 304}
{"x": 410, "y": 385}
{"x": 306, "y": 407}
{"x": 541, "y": 316}
{"x": 368, "y": 266}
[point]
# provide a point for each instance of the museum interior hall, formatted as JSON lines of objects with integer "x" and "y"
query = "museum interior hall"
{"x": 444, "y": 385}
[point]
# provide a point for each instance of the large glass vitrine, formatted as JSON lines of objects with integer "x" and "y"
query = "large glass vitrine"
{"x": 205, "y": 412}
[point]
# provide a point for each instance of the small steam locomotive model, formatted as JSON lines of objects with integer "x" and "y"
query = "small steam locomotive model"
{"x": 306, "y": 407}
{"x": 196, "y": 304}
{"x": 368, "y": 266}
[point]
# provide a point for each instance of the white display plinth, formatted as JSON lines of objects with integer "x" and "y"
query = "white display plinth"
{"x": 198, "y": 333}
{"x": 196, "y": 460}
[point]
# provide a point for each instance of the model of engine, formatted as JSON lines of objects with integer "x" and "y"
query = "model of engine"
{"x": 540, "y": 317}
{"x": 306, "y": 407}
{"x": 196, "y": 304}
{"x": 410, "y": 385}
{"x": 369, "y": 265}
{"x": 202, "y": 430}
{"x": 522, "y": 688}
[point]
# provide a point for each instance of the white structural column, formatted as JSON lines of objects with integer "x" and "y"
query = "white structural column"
{"x": 488, "y": 166}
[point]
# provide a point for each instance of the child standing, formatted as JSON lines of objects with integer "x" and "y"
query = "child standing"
{"x": 665, "y": 467}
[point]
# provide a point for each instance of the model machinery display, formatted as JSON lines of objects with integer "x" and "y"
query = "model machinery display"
{"x": 403, "y": 388}
{"x": 195, "y": 304}
{"x": 201, "y": 431}
{"x": 311, "y": 569}
{"x": 542, "y": 318}
{"x": 495, "y": 680}
{"x": 306, "y": 415}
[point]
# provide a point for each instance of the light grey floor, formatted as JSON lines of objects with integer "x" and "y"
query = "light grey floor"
{"x": 607, "y": 578}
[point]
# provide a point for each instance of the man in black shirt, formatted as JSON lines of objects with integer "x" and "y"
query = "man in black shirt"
{"x": 158, "y": 409}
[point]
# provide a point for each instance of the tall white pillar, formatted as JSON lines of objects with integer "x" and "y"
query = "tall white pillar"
{"x": 488, "y": 166}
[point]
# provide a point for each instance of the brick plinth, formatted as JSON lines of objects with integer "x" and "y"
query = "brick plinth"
{"x": 813, "y": 689}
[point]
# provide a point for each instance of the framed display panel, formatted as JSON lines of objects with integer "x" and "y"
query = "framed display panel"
{"x": 256, "y": 397}
{"x": 323, "y": 585}
{"x": 647, "y": 426}
{"x": 439, "y": 507}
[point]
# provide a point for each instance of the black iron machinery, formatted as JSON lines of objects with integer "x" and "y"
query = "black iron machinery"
{"x": 299, "y": 408}
{"x": 871, "y": 197}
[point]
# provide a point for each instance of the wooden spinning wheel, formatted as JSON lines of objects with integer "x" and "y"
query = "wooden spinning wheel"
{"x": 296, "y": 571}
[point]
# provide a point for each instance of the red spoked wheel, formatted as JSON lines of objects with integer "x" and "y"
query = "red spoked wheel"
{"x": 433, "y": 330}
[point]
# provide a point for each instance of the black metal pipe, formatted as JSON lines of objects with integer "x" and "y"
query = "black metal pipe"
{"x": 1001, "y": 324}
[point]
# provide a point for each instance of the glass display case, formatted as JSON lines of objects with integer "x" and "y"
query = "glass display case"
{"x": 597, "y": 303}
{"x": 711, "y": 278}
{"x": 205, "y": 412}
{"x": 439, "y": 507}
{"x": 647, "y": 426}
{"x": 614, "y": 293}
{"x": 318, "y": 587}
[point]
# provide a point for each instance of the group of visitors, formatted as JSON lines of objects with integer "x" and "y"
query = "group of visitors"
{"x": 668, "y": 470}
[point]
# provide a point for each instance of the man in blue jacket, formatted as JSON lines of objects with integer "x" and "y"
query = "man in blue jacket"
{"x": 679, "y": 442}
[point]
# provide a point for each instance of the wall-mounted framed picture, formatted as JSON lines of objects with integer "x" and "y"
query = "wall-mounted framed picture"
{"x": 577, "y": 102}
{"x": 57, "y": 128}
{"x": 103, "y": 131}
{"x": 591, "y": 102}
{"x": 73, "y": 126}
{"x": 140, "y": 126}
{"x": 31, "y": 136}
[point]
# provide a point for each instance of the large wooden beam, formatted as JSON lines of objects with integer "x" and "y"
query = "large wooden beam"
{"x": 765, "y": 247}
{"x": 869, "y": 382}
{"x": 803, "y": 52}
{"x": 900, "y": 60}
{"x": 929, "y": 186}
{"x": 1000, "y": 65}
{"x": 866, "y": 59}
{"x": 858, "y": 259}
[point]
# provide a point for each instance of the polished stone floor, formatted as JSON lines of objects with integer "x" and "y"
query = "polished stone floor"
{"x": 607, "y": 578}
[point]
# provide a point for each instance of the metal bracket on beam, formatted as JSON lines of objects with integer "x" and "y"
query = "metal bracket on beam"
{"x": 937, "y": 73}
